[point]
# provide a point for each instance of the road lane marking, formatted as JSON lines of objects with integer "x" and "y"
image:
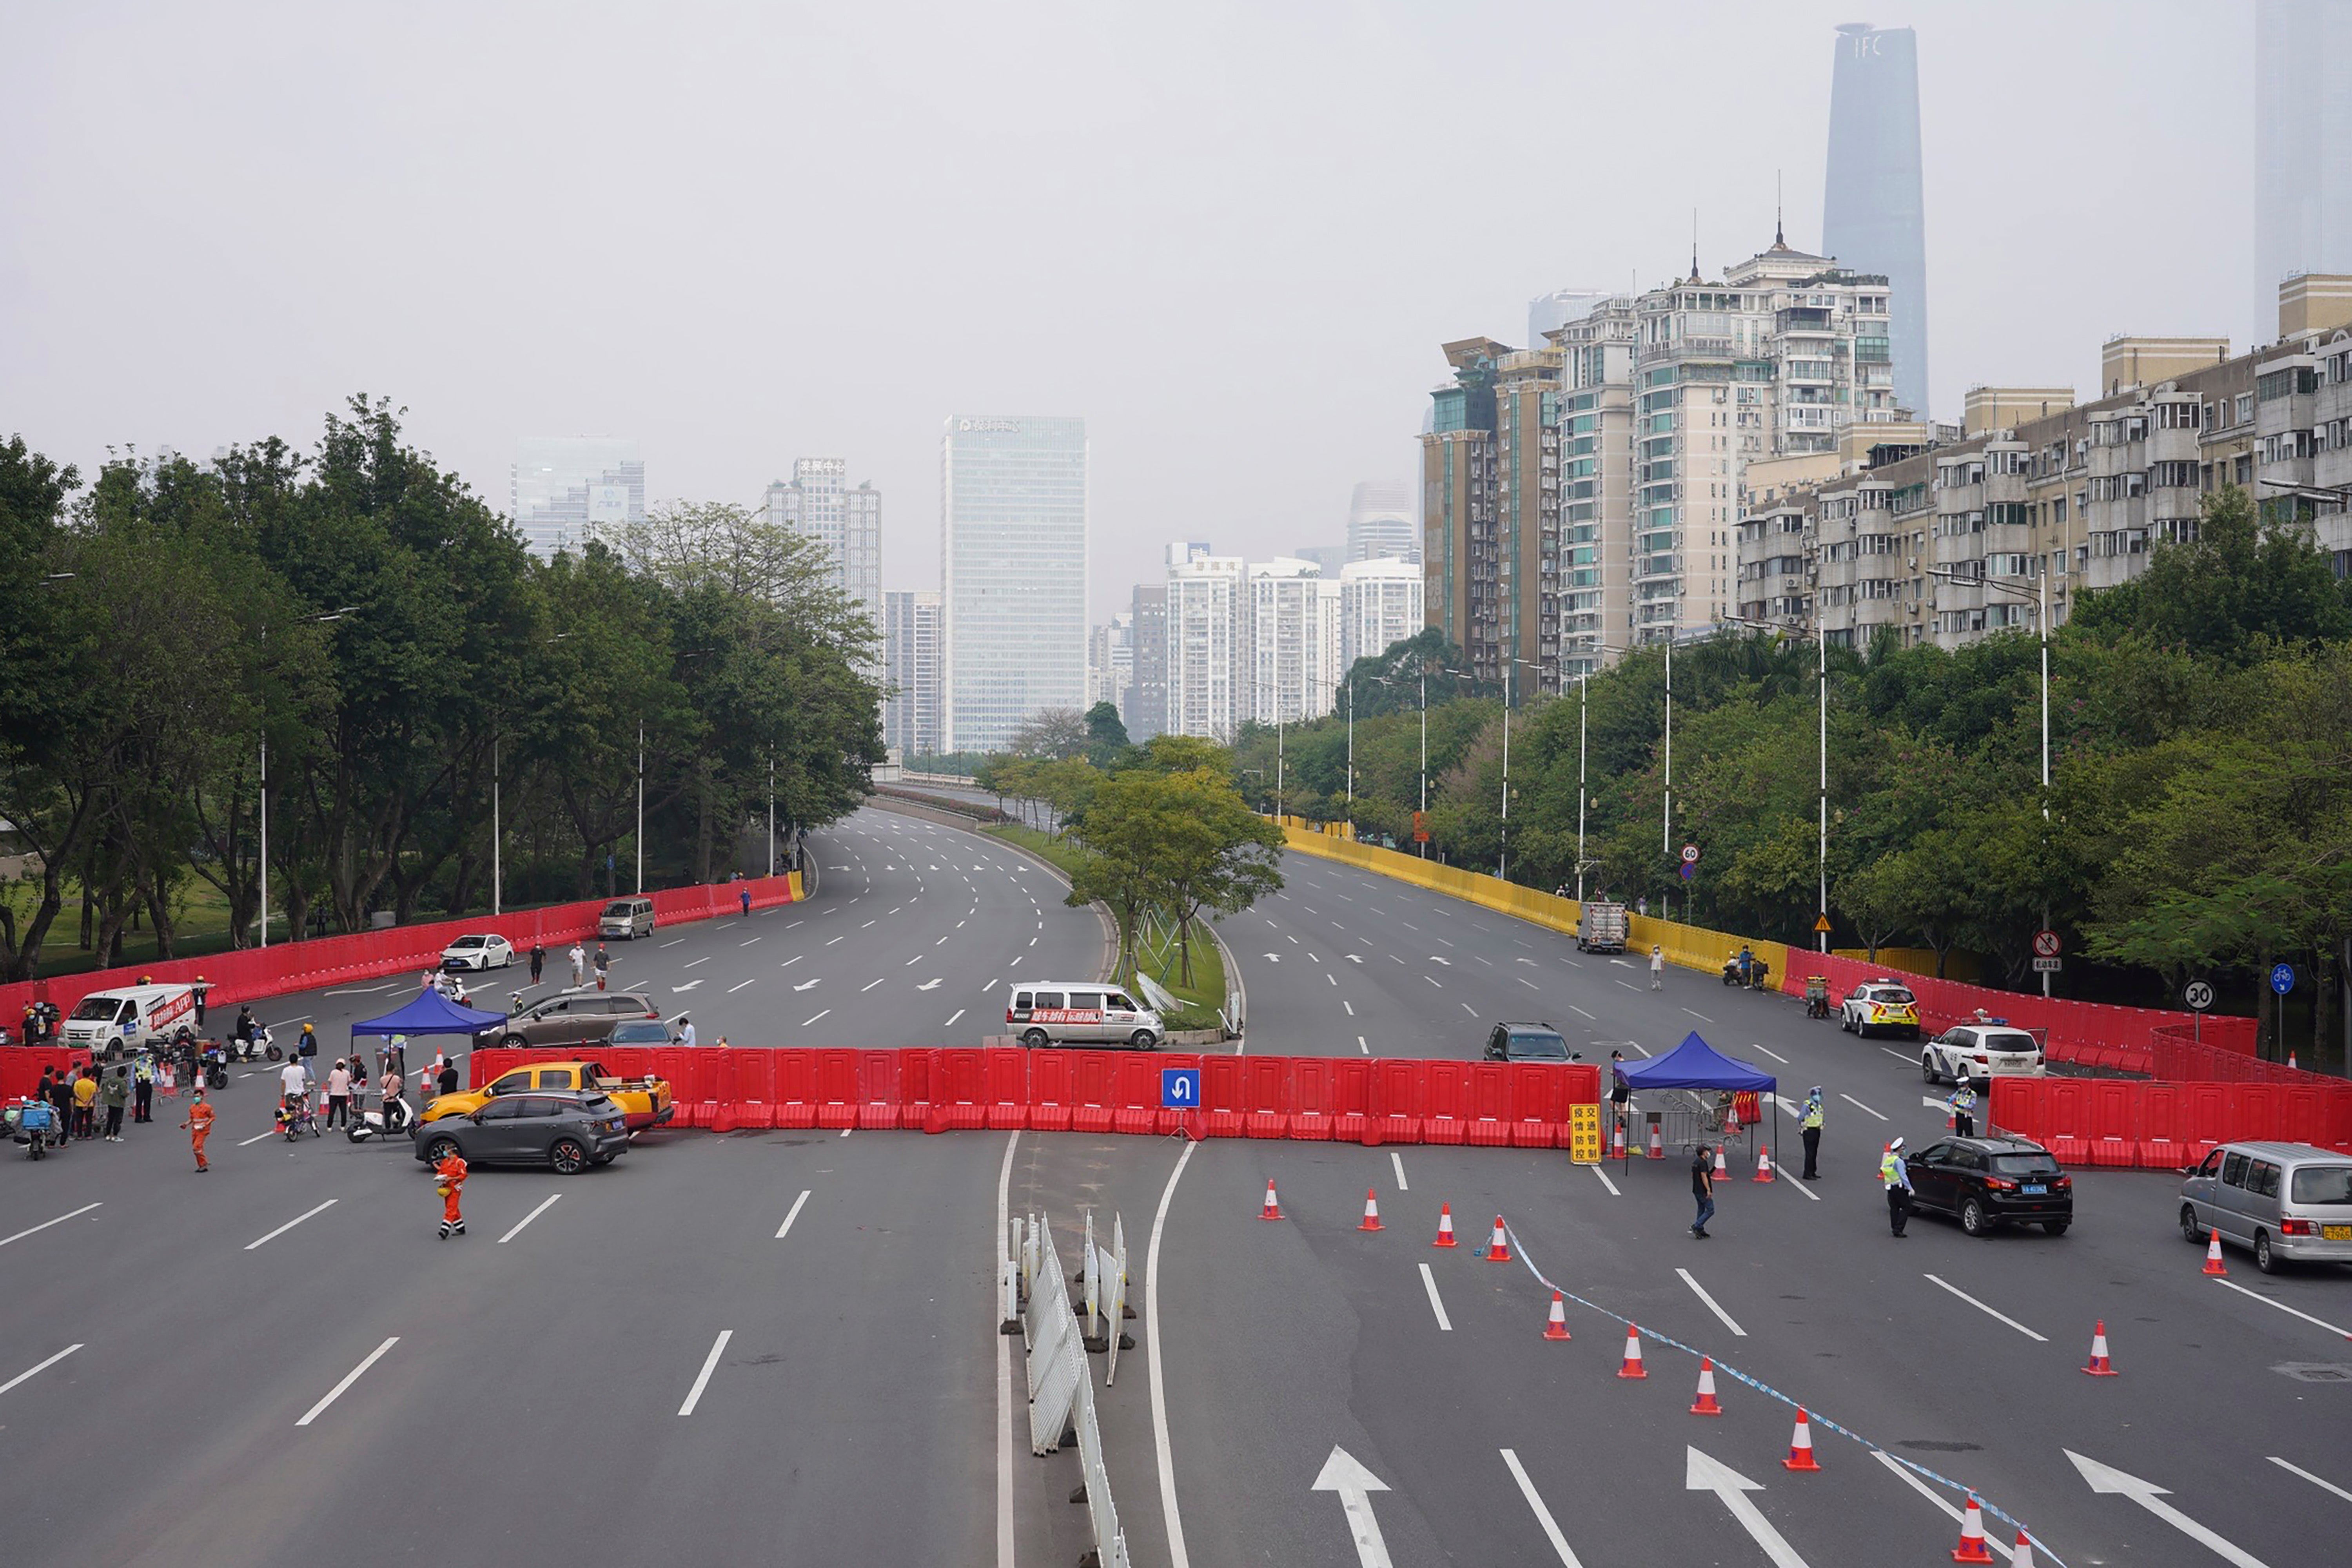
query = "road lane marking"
{"x": 348, "y": 1378}
{"x": 1333, "y": 978}
{"x": 1468, "y": 1009}
{"x": 867, "y": 987}
{"x": 1397, "y": 1160}
{"x": 1987, "y": 1311}
{"x": 704, "y": 959}
{"x": 44, "y": 1366}
{"x": 791, "y": 961}
{"x": 796, "y": 1214}
{"x": 1362, "y": 1047}
{"x": 1579, "y": 1011}
{"x": 1897, "y": 1055}
{"x": 864, "y": 925}
{"x": 1432, "y": 980}
{"x": 61, "y": 1220}
{"x": 1349, "y": 1005}
{"x": 361, "y": 991}
{"x": 1429, "y": 1283}
{"x": 1543, "y": 1514}
{"x": 746, "y": 943}
{"x": 526, "y": 1219}
{"x": 248, "y": 1143}
{"x": 1178, "y": 1557}
{"x": 1443, "y": 943}
{"x": 1773, "y": 1054}
{"x": 950, "y": 1023}
{"x": 1904, "y": 1471}
{"x": 1529, "y": 984}
{"x": 1606, "y": 1182}
{"x": 740, "y": 984}
{"x": 1712, "y": 1304}
{"x": 673, "y": 941}
{"x": 1858, "y": 1104}
{"x": 835, "y": 939}
{"x": 1408, "y": 926}
{"x": 2298, "y": 1469}
{"x": 291, "y": 1224}
{"x": 2281, "y": 1306}
{"x": 813, "y": 1018}
{"x": 1800, "y": 1184}
{"x": 1699, "y": 1015}
{"x": 709, "y": 1365}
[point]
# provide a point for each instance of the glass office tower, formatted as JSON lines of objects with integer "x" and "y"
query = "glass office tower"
{"x": 1874, "y": 219}
{"x": 1012, "y": 570}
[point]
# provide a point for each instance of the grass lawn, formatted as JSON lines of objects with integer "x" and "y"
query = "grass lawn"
{"x": 1060, "y": 851}
{"x": 201, "y": 928}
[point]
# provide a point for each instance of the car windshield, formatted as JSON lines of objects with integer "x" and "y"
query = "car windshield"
{"x": 640, "y": 1033}
{"x": 617, "y": 911}
{"x": 1892, "y": 994}
{"x": 93, "y": 1008}
{"x": 2323, "y": 1183}
{"x": 2034, "y": 1165}
{"x": 1538, "y": 1048}
{"x": 469, "y": 942}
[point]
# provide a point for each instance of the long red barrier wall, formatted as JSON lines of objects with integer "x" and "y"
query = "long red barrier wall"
{"x": 2163, "y": 1126}
{"x": 253, "y": 972}
{"x": 935, "y": 1089}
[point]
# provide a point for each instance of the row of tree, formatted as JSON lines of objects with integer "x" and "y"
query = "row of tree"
{"x": 385, "y": 637}
{"x": 2199, "y": 817}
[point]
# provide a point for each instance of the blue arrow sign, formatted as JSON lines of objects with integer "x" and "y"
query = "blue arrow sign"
{"x": 1179, "y": 1088}
{"x": 2283, "y": 978}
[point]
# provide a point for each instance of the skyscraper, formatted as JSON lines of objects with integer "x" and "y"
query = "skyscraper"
{"x": 1146, "y": 707}
{"x": 2303, "y": 145}
{"x": 562, "y": 486}
{"x": 1381, "y": 522}
{"x": 1205, "y": 632}
{"x": 1013, "y": 564}
{"x": 910, "y": 654}
{"x": 818, "y": 502}
{"x": 1874, "y": 219}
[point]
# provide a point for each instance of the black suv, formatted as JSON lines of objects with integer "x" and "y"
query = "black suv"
{"x": 1985, "y": 1182}
{"x": 569, "y": 1017}
{"x": 566, "y": 1131}
{"x": 1526, "y": 1042}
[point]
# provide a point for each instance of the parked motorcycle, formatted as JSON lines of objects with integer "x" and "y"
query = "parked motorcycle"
{"x": 1754, "y": 976}
{"x": 215, "y": 1066}
{"x": 33, "y": 1124}
{"x": 398, "y": 1122}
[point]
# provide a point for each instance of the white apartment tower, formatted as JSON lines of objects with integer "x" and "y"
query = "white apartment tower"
{"x": 1013, "y": 565}
{"x": 1205, "y": 696}
{"x": 1380, "y": 605}
{"x": 1284, "y": 663}
{"x": 817, "y": 501}
{"x": 910, "y": 645}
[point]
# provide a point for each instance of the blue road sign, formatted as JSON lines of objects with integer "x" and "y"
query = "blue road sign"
{"x": 1690, "y": 870}
{"x": 2283, "y": 978}
{"x": 1179, "y": 1088}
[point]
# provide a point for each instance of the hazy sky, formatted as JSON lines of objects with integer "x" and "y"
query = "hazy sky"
{"x": 1229, "y": 235}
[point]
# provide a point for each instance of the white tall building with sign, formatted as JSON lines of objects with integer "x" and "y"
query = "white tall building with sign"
{"x": 818, "y": 501}
{"x": 563, "y": 486}
{"x": 1012, "y": 568}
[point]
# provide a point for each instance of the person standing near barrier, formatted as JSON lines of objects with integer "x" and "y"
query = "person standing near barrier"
{"x": 1810, "y": 1125}
{"x": 143, "y": 1089}
{"x": 1703, "y": 1189}
{"x": 451, "y": 1170}
{"x": 746, "y": 895}
{"x": 1621, "y": 1093}
{"x": 579, "y": 966}
{"x": 685, "y": 1030}
{"x": 1964, "y": 1108}
{"x": 338, "y": 1094}
{"x": 117, "y": 1095}
{"x": 199, "y": 1126}
{"x": 85, "y": 1098}
{"x": 446, "y": 1082}
{"x": 538, "y": 957}
{"x": 1896, "y": 1175}
{"x": 1657, "y": 968}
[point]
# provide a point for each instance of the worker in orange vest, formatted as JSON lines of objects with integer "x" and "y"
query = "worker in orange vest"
{"x": 451, "y": 1169}
{"x": 199, "y": 1125}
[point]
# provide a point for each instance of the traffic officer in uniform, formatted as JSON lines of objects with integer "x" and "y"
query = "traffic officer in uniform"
{"x": 1811, "y": 1125}
{"x": 1898, "y": 1177}
{"x": 1964, "y": 1109}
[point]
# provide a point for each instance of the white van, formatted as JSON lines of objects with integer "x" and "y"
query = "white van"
{"x": 626, "y": 917}
{"x": 1090, "y": 1013}
{"x": 109, "y": 1023}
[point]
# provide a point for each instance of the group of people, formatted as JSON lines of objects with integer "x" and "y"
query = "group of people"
{"x": 581, "y": 961}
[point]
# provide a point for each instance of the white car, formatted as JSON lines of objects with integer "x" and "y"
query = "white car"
{"x": 1982, "y": 1051}
{"x": 478, "y": 952}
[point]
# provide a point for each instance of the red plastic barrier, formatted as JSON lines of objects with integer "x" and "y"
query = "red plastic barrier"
{"x": 2113, "y": 1130}
{"x": 959, "y": 1090}
{"x": 1223, "y": 1096}
{"x": 1135, "y": 1094}
{"x": 1265, "y": 1095}
{"x": 838, "y": 1088}
{"x": 1351, "y": 1098}
{"x": 20, "y": 1066}
{"x": 2162, "y": 1124}
{"x": 796, "y": 1091}
{"x": 1538, "y": 1105}
{"x": 1092, "y": 1096}
{"x": 1053, "y": 1090}
{"x": 2204, "y": 1116}
{"x": 1446, "y": 1103}
{"x": 879, "y": 1089}
{"x": 1398, "y": 1102}
{"x": 1007, "y": 1092}
{"x": 1489, "y": 1104}
{"x": 2253, "y": 1107}
{"x": 1313, "y": 1086}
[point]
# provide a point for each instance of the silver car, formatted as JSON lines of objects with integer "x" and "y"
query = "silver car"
{"x": 2283, "y": 1200}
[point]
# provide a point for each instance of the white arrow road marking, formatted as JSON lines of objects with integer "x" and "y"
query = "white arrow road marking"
{"x": 2148, "y": 1495}
{"x": 931, "y": 984}
{"x": 1859, "y": 1105}
{"x": 44, "y": 1225}
{"x": 2298, "y": 1469}
{"x": 710, "y": 1364}
{"x": 1436, "y": 960}
{"x": 674, "y": 990}
{"x": 44, "y": 1366}
{"x": 348, "y": 1378}
{"x": 1355, "y": 958}
{"x": 1543, "y": 1514}
{"x": 805, "y": 985}
{"x": 1933, "y": 1103}
{"x": 1273, "y": 958}
{"x": 1355, "y": 1486}
{"x": 1986, "y": 1309}
{"x": 1705, "y": 1474}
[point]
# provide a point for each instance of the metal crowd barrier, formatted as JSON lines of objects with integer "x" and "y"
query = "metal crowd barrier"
{"x": 1061, "y": 1398}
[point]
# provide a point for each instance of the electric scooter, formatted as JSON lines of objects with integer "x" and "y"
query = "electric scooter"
{"x": 397, "y": 1121}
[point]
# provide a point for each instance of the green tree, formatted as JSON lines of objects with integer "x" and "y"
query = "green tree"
{"x": 1107, "y": 742}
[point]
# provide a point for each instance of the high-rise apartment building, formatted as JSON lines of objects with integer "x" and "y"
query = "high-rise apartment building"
{"x": 1145, "y": 709}
{"x": 817, "y": 501}
{"x": 1012, "y": 559}
{"x": 1110, "y": 661}
{"x": 564, "y": 487}
{"x": 1873, "y": 217}
{"x": 910, "y": 645}
{"x": 1206, "y": 691}
{"x": 1380, "y": 605}
{"x": 2302, "y": 142}
{"x": 1381, "y": 522}
{"x": 1286, "y": 657}
{"x": 1596, "y": 484}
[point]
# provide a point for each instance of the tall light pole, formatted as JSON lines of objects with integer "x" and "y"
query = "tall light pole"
{"x": 1352, "y": 757}
{"x": 771, "y": 814}
{"x": 1821, "y": 673}
{"x": 322, "y": 617}
{"x": 1667, "y": 798}
{"x": 641, "y": 805}
{"x": 1503, "y": 866}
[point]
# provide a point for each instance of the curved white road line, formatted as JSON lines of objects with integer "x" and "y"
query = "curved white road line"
{"x": 1177, "y": 1556}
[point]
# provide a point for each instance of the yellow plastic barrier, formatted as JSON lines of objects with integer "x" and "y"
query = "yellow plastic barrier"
{"x": 1962, "y": 967}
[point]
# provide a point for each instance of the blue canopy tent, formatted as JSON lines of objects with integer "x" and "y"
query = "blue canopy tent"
{"x": 430, "y": 1012}
{"x": 1696, "y": 1065}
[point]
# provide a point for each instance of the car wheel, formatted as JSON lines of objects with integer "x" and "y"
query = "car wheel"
{"x": 439, "y": 1149}
{"x": 1927, "y": 1066}
{"x": 513, "y": 1042}
{"x": 2264, "y": 1259}
{"x": 1142, "y": 1040}
{"x": 2056, "y": 1226}
{"x": 1973, "y": 1218}
{"x": 1035, "y": 1038}
{"x": 2190, "y": 1231}
{"x": 567, "y": 1156}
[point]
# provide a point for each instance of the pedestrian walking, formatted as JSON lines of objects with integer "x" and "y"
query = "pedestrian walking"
{"x": 199, "y": 1125}
{"x": 685, "y": 1030}
{"x": 538, "y": 957}
{"x": 1810, "y": 1125}
{"x": 307, "y": 1048}
{"x": 1963, "y": 1104}
{"x": 338, "y": 1095}
{"x": 579, "y": 966}
{"x": 1657, "y": 968}
{"x": 604, "y": 963}
{"x": 1896, "y": 1175}
{"x": 117, "y": 1096}
{"x": 746, "y": 896}
{"x": 143, "y": 1089}
{"x": 1703, "y": 1189}
{"x": 451, "y": 1170}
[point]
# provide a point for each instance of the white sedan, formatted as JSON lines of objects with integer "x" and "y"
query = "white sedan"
{"x": 478, "y": 952}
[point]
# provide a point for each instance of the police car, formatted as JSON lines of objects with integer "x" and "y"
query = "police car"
{"x": 1990, "y": 1048}
{"x": 1880, "y": 1004}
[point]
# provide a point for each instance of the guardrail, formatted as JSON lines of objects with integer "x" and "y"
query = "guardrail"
{"x": 1061, "y": 1395}
{"x": 2163, "y": 1126}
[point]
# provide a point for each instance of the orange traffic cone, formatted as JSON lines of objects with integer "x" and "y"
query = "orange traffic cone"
{"x": 1763, "y": 1161}
{"x": 1731, "y": 1119}
{"x": 1657, "y": 1142}
{"x": 1498, "y": 1251}
{"x": 1633, "y": 1366}
{"x": 2291, "y": 1065}
{"x": 1707, "y": 1405}
{"x": 1800, "y": 1446}
{"x": 2213, "y": 1254}
{"x": 1371, "y": 1213}
{"x": 1722, "y": 1171}
{"x": 1617, "y": 1143}
{"x": 1555, "y": 1327}
{"x": 1444, "y": 1226}
{"x": 2099, "y": 1366}
{"x": 1971, "y": 1548}
{"x": 2022, "y": 1555}
{"x": 1272, "y": 1210}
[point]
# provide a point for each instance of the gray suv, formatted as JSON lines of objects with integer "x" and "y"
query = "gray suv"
{"x": 569, "y": 1017}
{"x": 2283, "y": 1200}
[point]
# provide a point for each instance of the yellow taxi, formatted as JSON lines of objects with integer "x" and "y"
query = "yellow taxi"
{"x": 644, "y": 1101}
{"x": 1882, "y": 1005}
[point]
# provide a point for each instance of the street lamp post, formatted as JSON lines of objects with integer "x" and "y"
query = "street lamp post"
{"x": 1503, "y": 866}
{"x": 322, "y": 617}
{"x": 771, "y": 814}
{"x": 1822, "y": 671}
{"x": 1352, "y": 757}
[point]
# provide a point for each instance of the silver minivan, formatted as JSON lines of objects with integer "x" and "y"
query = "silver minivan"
{"x": 628, "y": 917}
{"x": 2286, "y": 1201}
{"x": 1088, "y": 1014}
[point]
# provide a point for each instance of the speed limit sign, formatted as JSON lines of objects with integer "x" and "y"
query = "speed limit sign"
{"x": 1690, "y": 854}
{"x": 2045, "y": 943}
{"x": 2200, "y": 994}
